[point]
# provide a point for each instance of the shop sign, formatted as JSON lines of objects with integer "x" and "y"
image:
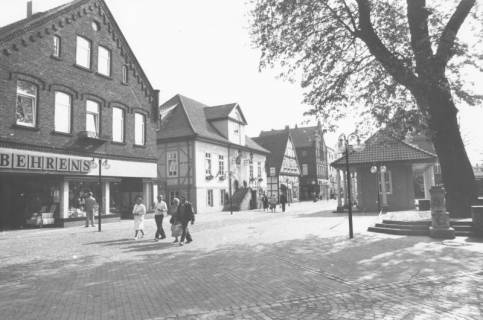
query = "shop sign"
{"x": 24, "y": 161}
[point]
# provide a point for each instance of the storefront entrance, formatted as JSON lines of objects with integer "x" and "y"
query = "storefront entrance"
{"x": 125, "y": 195}
{"x": 24, "y": 197}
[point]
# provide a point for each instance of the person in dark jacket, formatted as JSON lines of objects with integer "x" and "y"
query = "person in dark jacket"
{"x": 184, "y": 216}
{"x": 283, "y": 201}
{"x": 265, "y": 202}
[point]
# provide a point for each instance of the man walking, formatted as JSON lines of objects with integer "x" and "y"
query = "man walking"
{"x": 90, "y": 203}
{"x": 160, "y": 211}
{"x": 184, "y": 216}
{"x": 283, "y": 201}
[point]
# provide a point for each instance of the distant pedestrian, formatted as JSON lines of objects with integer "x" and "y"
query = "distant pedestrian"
{"x": 184, "y": 215}
{"x": 273, "y": 203}
{"x": 139, "y": 211}
{"x": 160, "y": 211}
{"x": 265, "y": 202}
{"x": 283, "y": 201}
{"x": 173, "y": 210}
{"x": 90, "y": 204}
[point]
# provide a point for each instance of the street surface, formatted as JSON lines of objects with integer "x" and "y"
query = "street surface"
{"x": 251, "y": 265}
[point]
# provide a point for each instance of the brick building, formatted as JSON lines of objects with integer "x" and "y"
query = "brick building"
{"x": 72, "y": 93}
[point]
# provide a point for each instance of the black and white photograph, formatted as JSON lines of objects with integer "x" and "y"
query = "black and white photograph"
{"x": 241, "y": 159}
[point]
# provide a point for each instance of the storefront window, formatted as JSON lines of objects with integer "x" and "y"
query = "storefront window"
{"x": 115, "y": 198}
{"x": 77, "y": 192}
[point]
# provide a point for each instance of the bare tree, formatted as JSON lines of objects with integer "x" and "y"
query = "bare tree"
{"x": 398, "y": 62}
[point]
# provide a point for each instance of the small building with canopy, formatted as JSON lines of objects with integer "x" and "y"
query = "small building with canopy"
{"x": 382, "y": 174}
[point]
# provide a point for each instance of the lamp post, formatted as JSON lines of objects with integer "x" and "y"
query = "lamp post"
{"x": 344, "y": 143}
{"x": 100, "y": 164}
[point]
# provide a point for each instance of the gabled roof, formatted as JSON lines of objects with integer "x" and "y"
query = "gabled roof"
{"x": 301, "y": 136}
{"x": 383, "y": 148}
{"x": 276, "y": 143}
{"x": 220, "y": 112}
{"x": 41, "y": 22}
{"x": 223, "y": 112}
{"x": 184, "y": 117}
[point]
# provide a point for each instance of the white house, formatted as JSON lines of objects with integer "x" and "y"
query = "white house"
{"x": 201, "y": 149}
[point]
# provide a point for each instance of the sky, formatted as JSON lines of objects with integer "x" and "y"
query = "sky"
{"x": 202, "y": 49}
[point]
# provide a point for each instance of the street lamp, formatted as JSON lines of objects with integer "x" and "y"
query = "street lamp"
{"x": 101, "y": 163}
{"x": 344, "y": 143}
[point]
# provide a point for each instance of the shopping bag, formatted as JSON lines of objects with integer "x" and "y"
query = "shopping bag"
{"x": 176, "y": 230}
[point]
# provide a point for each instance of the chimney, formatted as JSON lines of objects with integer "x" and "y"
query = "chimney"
{"x": 29, "y": 9}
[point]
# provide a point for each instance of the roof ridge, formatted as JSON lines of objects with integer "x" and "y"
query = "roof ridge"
{"x": 418, "y": 148}
{"x": 180, "y": 98}
{"x": 28, "y": 24}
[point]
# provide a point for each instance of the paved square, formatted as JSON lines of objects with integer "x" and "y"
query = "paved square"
{"x": 252, "y": 265}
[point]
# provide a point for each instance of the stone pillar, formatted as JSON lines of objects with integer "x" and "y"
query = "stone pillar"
{"x": 339, "y": 200}
{"x": 64, "y": 200}
{"x": 440, "y": 226}
{"x": 344, "y": 186}
{"x": 428, "y": 178}
{"x": 383, "y": 190}
{"x": 147, "y": 195}
{"x": 155, "y": 193}
{"x": 106, "y": 197}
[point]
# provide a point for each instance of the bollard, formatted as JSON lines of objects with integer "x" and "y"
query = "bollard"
{"x": 440, "y": 225}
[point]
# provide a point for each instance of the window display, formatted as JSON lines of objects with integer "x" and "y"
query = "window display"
{"x": 78, "y": 190}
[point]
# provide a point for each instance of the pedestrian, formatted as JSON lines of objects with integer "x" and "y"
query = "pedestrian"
{"x": 273, "y": 203}
{"x": 184, "y": 216}
{"x": 265, "y": 202}
{"x": 283, "y": 201}
{"x": 160, "y": 211}
{"x": 139, "y": 211}
{"x": 174, "y": 213}
{"x": 90, "y": 203}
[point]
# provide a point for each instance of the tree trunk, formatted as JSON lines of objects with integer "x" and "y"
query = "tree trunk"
{"x": 456, "y": 169}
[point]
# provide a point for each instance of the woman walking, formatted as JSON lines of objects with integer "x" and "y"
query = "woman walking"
{"x": 160, "y": 210}
{"x": 175, "y": 232}
{"x": 139, "y": 211}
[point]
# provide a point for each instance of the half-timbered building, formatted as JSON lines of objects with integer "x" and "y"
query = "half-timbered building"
{"x": 204, "y": 154}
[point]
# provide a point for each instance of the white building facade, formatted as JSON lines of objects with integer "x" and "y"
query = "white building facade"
{"x": 203, "y": 154}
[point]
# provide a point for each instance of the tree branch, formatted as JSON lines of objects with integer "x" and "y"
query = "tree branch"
{"x": 338, "y": 18}
{"x": 448, "y": 37}
{"x": 417, "y": 14}
{"x": 393, "y": 66}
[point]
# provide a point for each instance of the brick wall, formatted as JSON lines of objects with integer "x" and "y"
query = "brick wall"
{"x": 33, "y": 61}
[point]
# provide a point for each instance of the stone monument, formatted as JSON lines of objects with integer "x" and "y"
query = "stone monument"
{"x": 440, "y": 226}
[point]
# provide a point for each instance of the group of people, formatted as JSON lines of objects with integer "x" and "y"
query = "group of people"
{"x": 181, "y": 213}
{"x": 271, "y": 203}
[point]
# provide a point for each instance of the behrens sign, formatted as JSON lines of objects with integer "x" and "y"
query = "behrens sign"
{"x": 35, "y": 161}
{"x": 24, "y": 161}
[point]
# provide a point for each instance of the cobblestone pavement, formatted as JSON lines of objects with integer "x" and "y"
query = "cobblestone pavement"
{"x": 252, "y": 265}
